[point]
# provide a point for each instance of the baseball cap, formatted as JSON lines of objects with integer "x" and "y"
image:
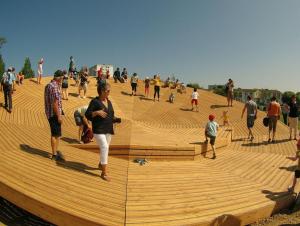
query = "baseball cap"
{"x": 211, "y": 117}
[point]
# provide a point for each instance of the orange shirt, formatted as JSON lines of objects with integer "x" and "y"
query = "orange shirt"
{"x": 273, "y": 109}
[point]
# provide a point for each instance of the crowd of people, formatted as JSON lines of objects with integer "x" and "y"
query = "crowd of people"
{"x": 95, "y": 121}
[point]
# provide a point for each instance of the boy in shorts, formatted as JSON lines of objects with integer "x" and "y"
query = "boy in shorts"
{"x": 211, "y": 132}
{"x": 195, "y": 96}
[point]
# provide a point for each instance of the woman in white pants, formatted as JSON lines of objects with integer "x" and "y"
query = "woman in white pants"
{"x": 101, "y": 113}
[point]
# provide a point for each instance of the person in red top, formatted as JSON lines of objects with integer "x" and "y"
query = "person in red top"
{"x": 100, "y": 73}
{"x": 107, "y": 73}
{"x": 274, "y": 111}
{"x": 20, "y": 78}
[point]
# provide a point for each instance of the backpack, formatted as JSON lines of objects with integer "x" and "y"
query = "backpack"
{"x": 87, "y": 135}
{"x": 5, "y": 79}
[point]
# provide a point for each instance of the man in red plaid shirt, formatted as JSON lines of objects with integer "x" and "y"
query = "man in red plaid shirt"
{"x": 53, "y": 110}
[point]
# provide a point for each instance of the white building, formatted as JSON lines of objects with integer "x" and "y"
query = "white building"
{"x": 93, "y": 70}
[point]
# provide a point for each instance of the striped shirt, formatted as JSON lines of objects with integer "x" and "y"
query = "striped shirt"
{"x": 52, "y": 93}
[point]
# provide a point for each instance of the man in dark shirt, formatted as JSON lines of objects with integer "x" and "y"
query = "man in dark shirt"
{"x": 117, "y": 75}
{"x": 124, "y": 74}
{"x": 293, "y": 117}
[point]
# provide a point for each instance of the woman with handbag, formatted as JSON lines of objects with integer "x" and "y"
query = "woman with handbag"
{"x": 101, "y": 113}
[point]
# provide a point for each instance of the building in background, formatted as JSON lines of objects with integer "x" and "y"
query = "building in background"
{"x": 93, "y": 70}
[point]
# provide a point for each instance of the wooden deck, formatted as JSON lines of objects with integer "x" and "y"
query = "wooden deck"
{"x": 246, "y": 182}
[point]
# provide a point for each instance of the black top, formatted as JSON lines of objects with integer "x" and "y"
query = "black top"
{"x": 101, "y": 125}
{"x": 117, "y": 74}
{"x": 83, "y": 79}
{"x": 293, "y": 110}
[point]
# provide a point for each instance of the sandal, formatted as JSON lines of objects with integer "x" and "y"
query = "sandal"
{"x": 290, "y": 189}
{"x": 53, "y": 157}
{"x": 105, "y": 177}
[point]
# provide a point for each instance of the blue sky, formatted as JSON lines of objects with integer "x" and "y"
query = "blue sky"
{"x": 256, "y": 43}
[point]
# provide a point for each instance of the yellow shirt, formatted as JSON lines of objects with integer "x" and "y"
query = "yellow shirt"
{"x": 157, "y": 82}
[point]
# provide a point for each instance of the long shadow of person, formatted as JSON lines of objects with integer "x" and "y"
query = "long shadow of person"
{"x": 70, "y": 140}
{"x": 214, "y": 106}
{"x": 289, "y": 168}
{"x": 145, "y": 98}
{"x": 76, "y": 166}
{"x": 125, "y": 93}
{"x": 74, "y": 94}
{"x": 186, "y": 109}
{"x": 34, "y": 151}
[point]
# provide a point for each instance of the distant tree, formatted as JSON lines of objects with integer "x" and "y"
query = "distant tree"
{"x": 220, "y": 91}
{"x": 2, "y": 41}
{"x": 26, "y": 70}
{"x": 298, "y": 97}
{"x": 194, "y": 85}
{"x": 2, "y": 67}
{"x": 286, "y": 96}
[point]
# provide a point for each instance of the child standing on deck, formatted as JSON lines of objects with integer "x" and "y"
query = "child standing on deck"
{"x": 147, "y": 85}
{"x": 225, "y": 118}
{"x": 211, "y": 132}
{"x": 195, "y": 96}
{"x": 297, "y": 171}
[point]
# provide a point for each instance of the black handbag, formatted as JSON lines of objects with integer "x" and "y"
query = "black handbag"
{"x": 266, "y": 121}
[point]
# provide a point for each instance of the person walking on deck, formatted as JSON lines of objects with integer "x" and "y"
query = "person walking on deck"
{"x": 134, "y": 81}
{"x": 147, "y": 86}
{"x": 65, "y": 86}
{"x": 251, "y": 107}
{"x": 72, "y": 67}
{"x": 54, "y": 112}
{"x": 274, "y": 111}
{"x": 83, "y": 85}
{"x": 8, "y": 85}
{"x": 211, "y": 130}
{"x": 297, "y": 170}
{"x": 157, "y": 84}
{"x": 195, "y": 96}
{"x": 285, "y": 113}
{"x": 293, "y": 117}
{"x": 229, "y": 91}
{"x": 100, "y": 111}
{"x": 124, "y": 74}
{"x": 40, "y": 70}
